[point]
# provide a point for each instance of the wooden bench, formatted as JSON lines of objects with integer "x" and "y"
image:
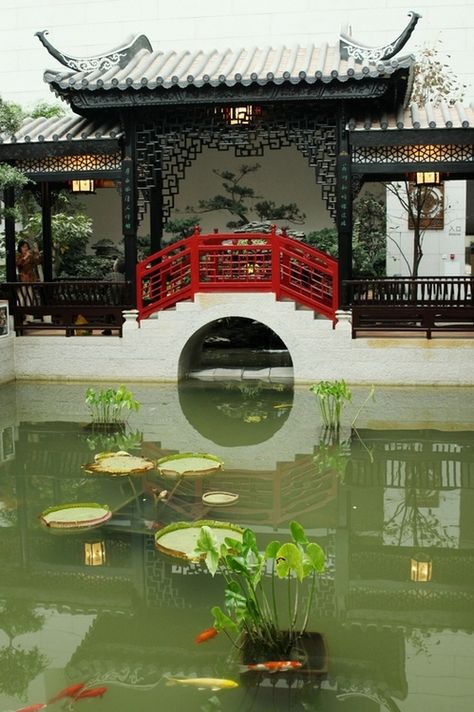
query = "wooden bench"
{"x": 424, "y": 319}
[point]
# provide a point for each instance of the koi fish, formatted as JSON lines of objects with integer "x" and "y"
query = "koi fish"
{"x": 203, "y": 683}
{"x": 70, "y": 691}
{"x": 33, "y": 708}
{"x": 274, "y": 666}
{"x": 206, "y": 635}
{"x": 91, "y": 692}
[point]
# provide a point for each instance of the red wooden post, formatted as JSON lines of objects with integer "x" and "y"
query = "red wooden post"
{"x": 195, "y": 241}
{"x": 275, "y": 247}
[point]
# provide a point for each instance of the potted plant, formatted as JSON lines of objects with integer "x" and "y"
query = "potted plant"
{"x": 108, "y": 407}
{"x": 268, "y": 619}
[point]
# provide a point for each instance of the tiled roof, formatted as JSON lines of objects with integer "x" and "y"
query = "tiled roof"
{"x": 66, "y": 128}
{"x": 444, "y": 116}
{"x": 269, "y": 65}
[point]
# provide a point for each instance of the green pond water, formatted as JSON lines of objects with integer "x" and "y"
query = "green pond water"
{"x": 398, "y": 489}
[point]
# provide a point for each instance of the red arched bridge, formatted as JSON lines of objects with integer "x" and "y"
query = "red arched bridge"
{"x": 238, "y": 262}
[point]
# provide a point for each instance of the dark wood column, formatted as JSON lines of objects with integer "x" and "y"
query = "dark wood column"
{"x": 47, "y": 232}
{"x": 344, "y": 209}
{"x": 10, "y": 246}
{"x": 129, "y": 208}
{"x": 156, "y": 214}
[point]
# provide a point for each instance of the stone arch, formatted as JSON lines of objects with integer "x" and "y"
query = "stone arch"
{"x": 190, "y": 353}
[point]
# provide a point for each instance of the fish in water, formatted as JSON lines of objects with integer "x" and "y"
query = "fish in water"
{"x": 70, "y": 691}
{"x": 203, "y": 683}
{"x": 91, "y": 692}
{"x": 33, "y": 708}
{"x": 206, "y": 635}
{"x": 274, "y": 666}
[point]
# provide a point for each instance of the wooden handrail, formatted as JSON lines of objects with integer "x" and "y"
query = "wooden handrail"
{"x": 238, "y": 262}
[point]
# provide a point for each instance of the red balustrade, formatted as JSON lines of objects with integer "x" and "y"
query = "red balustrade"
{"x": 238, "y": 262}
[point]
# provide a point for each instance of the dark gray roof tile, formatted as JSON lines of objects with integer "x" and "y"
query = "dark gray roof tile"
{"x": 230, "y": 66}
{"x": 444, "y": 116}
{"x": 66, "y": 128}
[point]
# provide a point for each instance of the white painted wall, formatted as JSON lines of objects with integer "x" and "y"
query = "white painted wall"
{"x": 443, "y": 250}
{"x": 153, "y": 352}
{"x": 87, "y": 27}
{"x": 7, "y": 364}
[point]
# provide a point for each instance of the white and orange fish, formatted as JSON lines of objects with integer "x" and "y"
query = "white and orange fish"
{"x": 273, "y": 666}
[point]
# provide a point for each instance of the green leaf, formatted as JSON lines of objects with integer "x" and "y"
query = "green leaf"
{"x": 289, "y": 558}
{"x": 271, "y": 550}
{"x": 249, "y": 541}
{"x": 316, "y": 556}
{"x": 223, "y": 622}
{"x": 298, "y": 533}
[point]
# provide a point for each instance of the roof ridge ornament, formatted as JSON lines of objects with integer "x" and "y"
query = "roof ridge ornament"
{"x": 362, "y": 53}
{"x": 121, "y": 56}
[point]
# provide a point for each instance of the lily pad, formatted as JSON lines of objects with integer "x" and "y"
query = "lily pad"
{"x": 179, "y": 539}
{"x": 119, "y": 464}
{"x": 219, "y": 499}
{"x": 189, "y": 464}
{"x": 75, "y": 516}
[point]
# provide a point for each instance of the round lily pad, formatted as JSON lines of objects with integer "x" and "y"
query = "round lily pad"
{"x": 219, "y": 499}
{"x": 189, "y": 464}
{"x": 119, "y": 464}
{"x": 179, "y": 539}
{"x": 75, "y": 516}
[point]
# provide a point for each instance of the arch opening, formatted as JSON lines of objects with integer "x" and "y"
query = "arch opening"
{"x": 244, "y": 347}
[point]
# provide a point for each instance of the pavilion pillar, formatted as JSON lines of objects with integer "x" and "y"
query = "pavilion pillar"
{"x": 10, "y": 247}
{"x": 156, "y": 214}
{"x": 129, "y": 209}
{"x": 344, "y": 210}
{"x": 47, "y": 232}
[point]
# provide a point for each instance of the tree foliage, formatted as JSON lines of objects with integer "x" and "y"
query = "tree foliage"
{"x": 368, "y": 238}
{"x": 240, "y": 200}
{"x": 434, "y": 80}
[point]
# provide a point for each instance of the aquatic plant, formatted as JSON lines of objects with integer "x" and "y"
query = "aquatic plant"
{"x": 252, "y": 614}
{"x": 108, "y": 405}
{"x": 331, "y": 397}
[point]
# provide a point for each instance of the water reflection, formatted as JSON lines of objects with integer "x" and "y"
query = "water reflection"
{"x": 375, "y": 501}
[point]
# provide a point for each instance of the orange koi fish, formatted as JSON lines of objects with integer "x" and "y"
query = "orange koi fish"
{"x": 33, "y": 708}
{"x": 70, "y": 691}
{"x": 91, "y": 692}
{"x": 274, "y": 666}
{"x": 206, "y": 635}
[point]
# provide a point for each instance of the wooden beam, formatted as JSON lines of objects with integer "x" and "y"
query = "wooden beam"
{"x": 47, "y": 232}
{"x": 10, "y": 246}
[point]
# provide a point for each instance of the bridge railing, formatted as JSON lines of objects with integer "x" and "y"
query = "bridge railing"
{"x": 242, "y": 262}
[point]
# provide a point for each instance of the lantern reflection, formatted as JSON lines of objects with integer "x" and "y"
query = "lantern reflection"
{"x": 94, "y": 553}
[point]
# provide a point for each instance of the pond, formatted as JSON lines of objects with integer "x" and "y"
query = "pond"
{"x": 391, "y": 504}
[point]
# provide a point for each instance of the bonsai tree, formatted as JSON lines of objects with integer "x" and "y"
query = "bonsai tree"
{"x": 241, "y": 200}
{"x": 269, "y": 623}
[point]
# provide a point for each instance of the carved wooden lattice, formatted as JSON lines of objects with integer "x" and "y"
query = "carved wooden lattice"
{"x": 173, "y": 143}
{"x": 451, "y": 153}
{"x": 67, "y": 164}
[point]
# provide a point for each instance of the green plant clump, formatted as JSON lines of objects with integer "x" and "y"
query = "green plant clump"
{"x": 331, "y": 396}
{"x": 269, "y": 620}
{"x": 108, "y": 405}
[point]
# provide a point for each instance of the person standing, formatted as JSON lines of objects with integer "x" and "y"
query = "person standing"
{"x": 27, "y": 262}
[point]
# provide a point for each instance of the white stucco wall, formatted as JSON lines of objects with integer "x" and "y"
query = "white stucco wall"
{"x": 7, "y": 363}
{"x": 443, "y": 250}
{"x": 153, "y": 352}
{"x": 88, "y": 27}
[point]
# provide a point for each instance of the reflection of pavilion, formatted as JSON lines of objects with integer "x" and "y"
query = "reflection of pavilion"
{"x": 368, "y": 604}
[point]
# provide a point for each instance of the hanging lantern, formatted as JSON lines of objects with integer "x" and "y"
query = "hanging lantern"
{"x": 82, "y": 186}
{"x": 94, "y": 553}
{"x": 421, "y": 568}
{"x": 429, "y": 178}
